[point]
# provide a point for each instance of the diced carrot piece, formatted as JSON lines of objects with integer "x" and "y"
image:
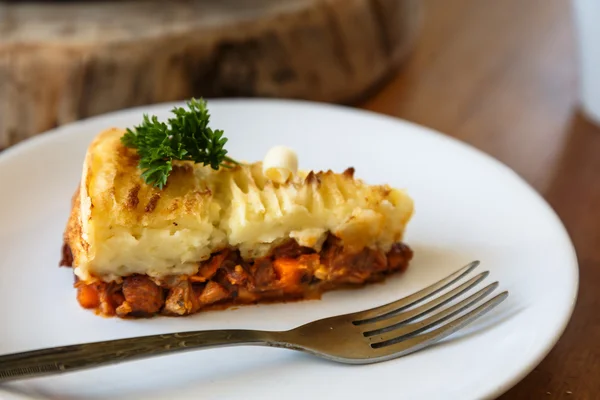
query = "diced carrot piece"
{"x": 88, "y": 296}
{"x": 293, "y": 273}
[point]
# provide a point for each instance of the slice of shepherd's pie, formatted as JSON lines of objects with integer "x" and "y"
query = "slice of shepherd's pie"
{"x": 166, "y": 234}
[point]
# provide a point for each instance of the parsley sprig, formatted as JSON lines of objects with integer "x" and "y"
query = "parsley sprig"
{"x": 186, "y": 137}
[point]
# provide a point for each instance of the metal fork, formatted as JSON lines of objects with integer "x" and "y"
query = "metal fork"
{"x": 379, "y": 334}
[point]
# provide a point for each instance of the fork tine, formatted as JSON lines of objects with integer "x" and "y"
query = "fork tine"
{"x": 400, "y": 332}
{"x": 415, "y": 343}
{"x": 374, "y": 314}
{"x": 396, "y": 320}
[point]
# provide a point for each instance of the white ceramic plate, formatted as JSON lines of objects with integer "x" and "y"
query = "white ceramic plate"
{"x": 468, "y": 206}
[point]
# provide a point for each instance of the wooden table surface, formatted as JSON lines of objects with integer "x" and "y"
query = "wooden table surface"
{"x": 502, "y": 76}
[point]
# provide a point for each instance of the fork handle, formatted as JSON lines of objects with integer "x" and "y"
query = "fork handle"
{"x": 80, "y": 356}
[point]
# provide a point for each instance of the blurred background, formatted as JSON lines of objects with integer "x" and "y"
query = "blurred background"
{"x": 518, "y": 79}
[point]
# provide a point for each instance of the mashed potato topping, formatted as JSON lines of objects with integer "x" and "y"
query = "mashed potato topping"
{"x": 121, "y": 226}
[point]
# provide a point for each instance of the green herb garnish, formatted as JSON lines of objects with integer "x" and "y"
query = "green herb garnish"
{"x": 185, "y": 137}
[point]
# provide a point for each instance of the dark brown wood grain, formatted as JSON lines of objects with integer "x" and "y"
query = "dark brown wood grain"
{"x": 502, "y": 76}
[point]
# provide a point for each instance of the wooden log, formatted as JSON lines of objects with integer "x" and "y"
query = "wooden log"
{"x": 63, "y": 61}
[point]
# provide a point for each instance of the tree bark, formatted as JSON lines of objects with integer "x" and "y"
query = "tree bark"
{"x": 63, "y": 61}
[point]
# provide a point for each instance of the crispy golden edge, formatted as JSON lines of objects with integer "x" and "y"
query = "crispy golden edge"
{"x": 72, "y": 235}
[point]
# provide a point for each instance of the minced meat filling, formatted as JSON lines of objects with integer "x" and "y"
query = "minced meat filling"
{"x": 290, "y": 272}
